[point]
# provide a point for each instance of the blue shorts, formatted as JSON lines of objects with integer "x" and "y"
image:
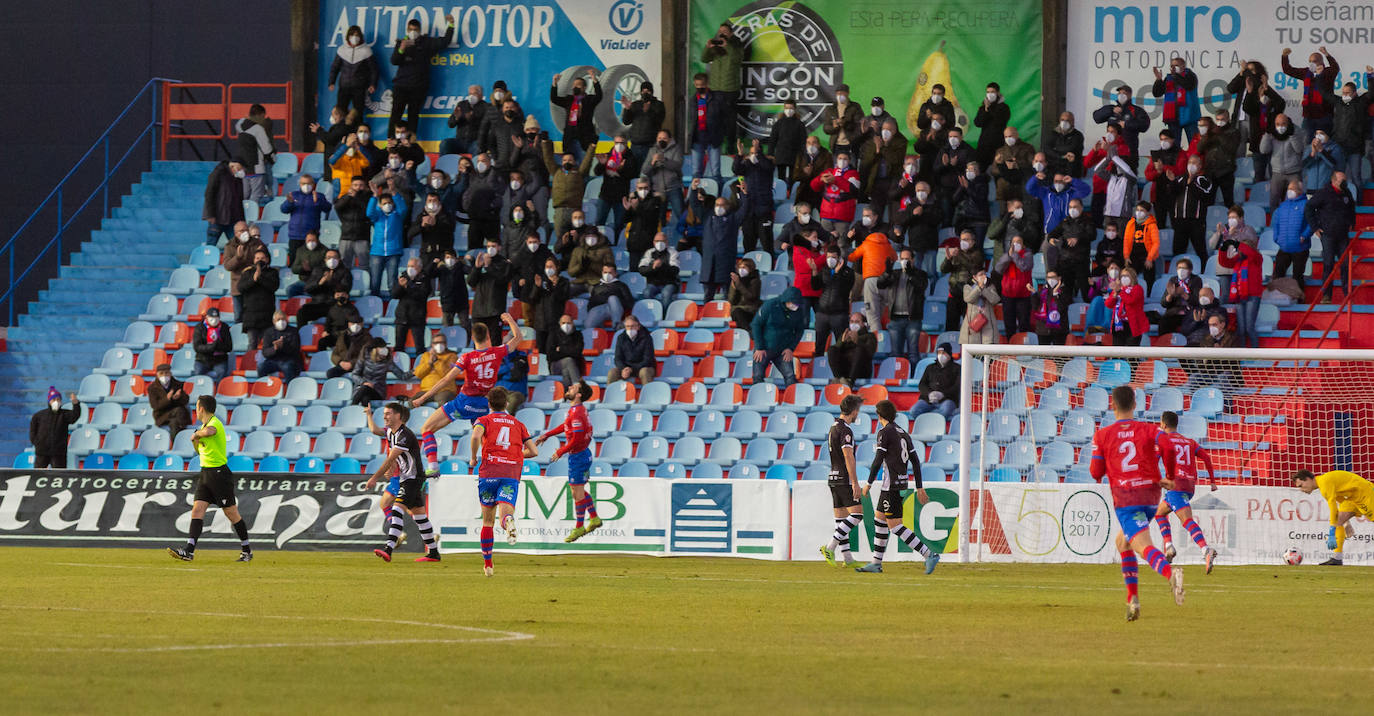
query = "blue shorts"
{"x": 1135, "y": 520}
{"x": 1177, "y": 499}
{"x": 466, "y": 407}
{"x": 491, "y": 490}
{"x": 579, "y": 467}
{"x": 393, "y": 488}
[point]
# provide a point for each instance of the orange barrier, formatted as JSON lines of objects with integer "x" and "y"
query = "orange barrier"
{"x": 220, "y": 112}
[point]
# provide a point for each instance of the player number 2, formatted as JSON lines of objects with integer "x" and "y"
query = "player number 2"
{"x": 1128, "y": 462}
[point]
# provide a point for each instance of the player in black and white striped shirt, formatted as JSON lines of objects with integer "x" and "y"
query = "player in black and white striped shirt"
{"x": 405, "y": 456}
{"x": 895, "y": 452}
{"x": 845, "y": 496}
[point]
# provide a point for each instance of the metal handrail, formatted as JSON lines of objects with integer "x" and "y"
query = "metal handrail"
{"x": 1347, "y": 258}
{"x": 102, "y": 188}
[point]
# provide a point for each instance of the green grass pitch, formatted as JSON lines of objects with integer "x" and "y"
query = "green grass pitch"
{"x": 131, "y": 631}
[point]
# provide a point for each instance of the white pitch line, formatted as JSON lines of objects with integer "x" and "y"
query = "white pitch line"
{"x": 124, "y": 566}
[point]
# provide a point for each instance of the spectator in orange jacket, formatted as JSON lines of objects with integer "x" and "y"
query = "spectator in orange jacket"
{"x": 876, "y": 254}
{"x": 1140, "y": 245}
{"x": 1126, "y": 304}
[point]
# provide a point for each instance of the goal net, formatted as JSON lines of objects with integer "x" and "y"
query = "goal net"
{"x": 1030, "y": 412}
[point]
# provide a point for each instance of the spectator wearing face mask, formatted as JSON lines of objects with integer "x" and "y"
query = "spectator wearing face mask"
{"x": 1111, "y": 146}
{"x": 1126, "y": 307}
{"x": 874, "y": 255}
{"x": 1068, "y": 249}
{"x": 810, "y": 163}
{"x": 451, "y": 275}
{"x": 410, "y": 289}
{"x": 587, "y": 258}
{"x": 952, "y": 163}
{"x": 1012, "y": 164}
{"x": 1064, "y": 147}
{"x": 960, "y": 264}
{"x": 839, "y": 190}
{"x": 610, "y": 300}
{"x": 1179, "y": 92}
{"x": 355, "y": 229}
{"x": 326, "y": 279}
{"x": 466, "y": 122}
{"x": 718, "y": 238}
{"x": 662, "y": 275}
{"x": 867, "y": 222}
{"x": 281, "y": 350}
{"x": 1323, "y": 158}
{"x": 881, "y": 158}
{"x": 308, "y": 258}
{"x": 835, "y": 280}
{"x": 918, "y": 220}
{"x": 939, "y": 385}
{"x": 1317, "y": 78}
{"x": 1140, "y": 242}
{"x": 993, "y": 117}
{"x": 411, "y": 56}
{"x": 980, "y": 294}
{"x": 756, "y": 187}
{"x": 618, "y": 169}
{"x": 1286, "y": 152}
{"x": 520, "y": 223}
{"x": 1164, "y": 164}
{"x": 353, "y": 72}
{"x": 841, "y": 120}
{"x": 1181, "y": 295}
{"x": 490, "y": 280}
{"x": 1193, "y": 193}
{"x": 1233, "y": 229}
{"x": 1195, "y": 322}
{"x": 1098, "y": 318}
{"x": 1014, "y": 221}
{"x": 548, "y": 293}
{"x": 935, "y": 113}
{"x": 1219, "y": 335}
{"x": 644, "y": 116}
{"x": 527, "y": 265}
{"x": 434, "y": 227}
{"x": 786, "y": 141}
{"x": 851, "y": 358}
{"x": 1015, "y": 269}
{"x": 663, "y": 170}
{"x": 223, "y": 206}
{"x": 1050, "y": 310}
{"x": 907, "y": 283}
{"x": 1055, "y": 193}
{"x": 257, "y": 152}
{"x": 1130, "y": 117}
{"x": 432, "y": 365}
{"x": 808, "y": 257}
{"x": 258, "y": 291}
{"x": 970, "y": 204}
{"x": 355, "y": 156}
{"x": 634, "y": 354}
{"x": 569, "y": 184}
{"x": 804, "y": 219}
{"x": 1350, "y": 125}
{"x": 644, "y": 212}
{"x": 494, "y": 116}
{"x": 1109, "y": 249}
{"x": 387, "y": 214}
{"x": 482, "y": 202}
{"x": 1218, "y": 146}
{"x": 212, "y": 343}
{"x": 1331, "y": 214}
{"x": 168, "y": 400}
{"x": 237, "y": 255}
{"x": 565, "y": 346}
{"x": 777, "y": 331}
{"x": 1292, "y": 234}
{"x": 48, "y": 431}
{"x": 1121, "y": 190}
{"x": 523, "y": 195}
{"x": 328, "y": 139}
{"x": 579, "y": 126}
{"x": 349, "y": 346}
{"x": 397, "y": 176}
{"x": 745, "y": 293}
{"x": 369, "y": 375}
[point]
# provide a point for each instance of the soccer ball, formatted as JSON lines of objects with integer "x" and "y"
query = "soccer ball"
{"x": 1293, "y": 556}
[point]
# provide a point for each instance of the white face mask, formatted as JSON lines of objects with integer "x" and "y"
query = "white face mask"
{"x": 481, "y": 167}
{"x": 1140, "y": 216}
{"x": 567, "y": 327}
{"x": 1075, "y": 213}
{"x": 1195, "y": 168}
{"x": 909, "y": 168}
{"x": 1060, "y": 186}
{"x": 394, "y": 163}
{"x": 841, "y": 98}
{"x": 1018, "y": 212}
{"x": 1202, "y": 129}
{"x": 1122, "y": 98}
{"x": 497, "y": 95}
{"x": 953, "y": 142}
{"x": 432, "y": 208}
{"x": 550, "y": 272}
{"x": 165, "y": 380}
{"x": 55, "y": 404}
{"x": 412, "y": 272}
{"x": 363, "y": 137}
{"x": 1280, "y": 128}
{"x": 355, "y": 327}
{"x": 1038, "y": 166}
{"x": 1220, "y": 123}
{"x": 1109, "y": 234}
{"x": 413, "y": 34}
{"x": 307, "y": 188}
{"x": 832, "y": 262}
{"x": 280, "y": 325}
{"x": 842, "y": 164}
{"x": 789, "y": 112}
{"x": 1321, "y": 138}
{"x": 1215, "y": 331}
{"x": 439, "y": 347}
{"x": 1232, "y": 221}
{"x": 515, "y": 186}
{"x": 1052, "y": 281}
{"x": 450, "y": 262}
{"x": 643, "y": 193}
{"x": 1011, "y": 141}
{"x": 1183, "y": 274}
{"x": 591, "y": 241}
{"x": 970, "y": 175}
{"x": 1125, "y": 280}
{"x": 803, "y": 219}
{"x": 812, "y": 151}
{"x": 1316, "y": 68}
{"x": 900, "y": 264}
{"x": 936, "y": 124}
{"x": 992, "y": 96}
{"x": 743, "y": 271}
{"x": 720, "y": 211}
{"x": 1292, "y": 194}
{"x": 632, "y": 332}
{"x": 474, "y": 99}
{"x": 965, "y": 245}
{"x": 386, "y": 208}
{"x": 1165, "y": 144}
{"x": 877, "y": 111}
{"x": 578, "y": 223}
{"x": 1204, "y": 300}
{"x": 355, "y": 41}
{"x": 517, "y": 216}
{"x": 922, "y": 195}
{"x": 1017, "y": 247}
{"x": 867, "y": 221}
{"x": 312, "y": 245}
{"x": 619, "y": 146}
{"x": 942, "y": 358}
{"x": 1113, "y": 273}
{"x": 1065, "y": 126}
{"x": 937, "y": 98}
{"x": 212, "y": 321}
{"x": 607, "y": 278}
{"x": 240, "y": 174}
{"x": 855, "y": 327}
{"x": 660, "y": 246}
{"x": 1111, "y": 138}
{"x": 243, "y": 236}
{"x": 532, "y": 247}
{"x": 887, "y": 134}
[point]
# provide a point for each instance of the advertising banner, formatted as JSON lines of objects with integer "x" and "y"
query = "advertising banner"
{"x": 524, "y": 42}
{"x": 1111, "y": 43}
{"x": 642, "y": 516}
{"x": 813, "y": 521}
{"x": 127, "y": 508}
{"x": 803, "y": 49}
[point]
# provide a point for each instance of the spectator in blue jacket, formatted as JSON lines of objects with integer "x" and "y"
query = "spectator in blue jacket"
{"x": 634, "y": 354}
{"x": 777, "y": 330}
{"x": 1055, "y": 197}
{"x": 1292, "y": 234}
{"x": 387, "y": 214}
{"x": 306, "y": 208}
{"x": 1322, "y": 158}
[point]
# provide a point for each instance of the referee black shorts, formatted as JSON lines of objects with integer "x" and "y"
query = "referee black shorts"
{"x": 215, "y": 486}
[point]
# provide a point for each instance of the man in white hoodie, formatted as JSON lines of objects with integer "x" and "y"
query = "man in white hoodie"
{"x": 257, "y": 152}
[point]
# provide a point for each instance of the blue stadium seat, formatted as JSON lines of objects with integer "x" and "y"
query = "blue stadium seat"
{"x": 798, "y": 452}
{"x": 817, "y": 471}
{"x": 707, "y": 471}
{"x": 336, "y": 392}
{"x": 1095, "y": 398}
{"x": 1162, "y": 399}
{"x": 1207, "y": 403}
{"x": 677, "y": 369}
{"x": 655, "y": 396}
{"x": 689, "y": 450}
{"x": 670, "y": 471}
{"x": 774, "y": 284}
{"x": 245, "y": 418}
{"x": 1057, "y": 457}
{"x": 1020, "y": 454}
{"x": 274, "y": 463}
{"x": 781, "y": 472}
{"x": 743, "y": 471}
{"x": 351, "y": 419}
{"x": 604, "y": 422}
{"x": 281, "y": 418}
{"x": 762, "y": 394}
{"x": 649, "y": 312}
{"x": 1056, "y": 398}
{"x": 817, "y": 424}
{"x": 139, "y": 335}
{"x": 106, "y": 416}
{"x": 154, "y": 442}
{"x": 746, "y": 423}
{"x": 162, "y": 307}
{"x": 117, "y": 361}
{"x": 301, "y": 391}
{"x": 133, "y": 461}
{"x": 542, "y": 395}
{"x": 633, "y": 468}
{"x": 1078, "y": 428}
{"x": 601, "y": 469}
{"x": 723, "y": 398}
{"x": 762, "y": 451}
{"x": 169, "y": 463}
{"x": 1042, "y": 425}
{"x": 672, "y": 423}
{"x": 118, "y": 441}
{"x": 1113, "y": 372}
{"x": 184, "y": 281}
{"x": 930, "y": 473}
{"x": 783, "y": 424}
{"x": 258, "y": 444}
{"x": 696, "y": 395}
{"x": 1003, "y": 473}
{"x": 98, "y": 461}
{"x": 616, "y": 448}
{"x": 1193, "y": 426}
{"x": 1079, "y": 475}
{"x": 345, "y": 466}
{"x": 944, "y": 454}
{"x": 725, "y": 450}
{"x": 309, "y": 464}
{"x": 652, "y": 450}
{"x": 329, "y": 445}
{"x": 636, "y": 423}
{"x": 181, "y": 444}
{"x": 1003, "y": 427}
{"x": 240, "y": 463}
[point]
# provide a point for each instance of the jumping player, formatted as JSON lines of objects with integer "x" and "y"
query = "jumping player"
{"x": 215, "y": 483}
{"x": 578, "y": 448}
{"x": 503, "y": 444}
{"x": 894, "y": 449}
{"x": 1346, "y": 495}
{"x": 479, "y": 369}
{"x": 1126, "y": 452}
{"x": 1180, "y": 455}
{"x": 404, "y": 456}
{"x": 845, "y": 495}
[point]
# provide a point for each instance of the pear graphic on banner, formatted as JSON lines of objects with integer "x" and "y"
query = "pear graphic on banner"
{"x": 935, "y": 70}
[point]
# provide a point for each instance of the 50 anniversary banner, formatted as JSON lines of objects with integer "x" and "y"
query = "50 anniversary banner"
{"x": 802, "y": 50}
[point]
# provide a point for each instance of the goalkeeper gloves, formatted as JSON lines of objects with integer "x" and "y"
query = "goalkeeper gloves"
{"x": 1331, "y": 537}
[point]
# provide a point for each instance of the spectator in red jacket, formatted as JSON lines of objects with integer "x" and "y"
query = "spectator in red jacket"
{"x": 839, "y": 189}
{"x": 1126, "y": 303}
{"x": 808, "y": 257}
{"x": 1246, "y": 287}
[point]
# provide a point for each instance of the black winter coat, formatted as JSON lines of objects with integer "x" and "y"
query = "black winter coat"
{"x": 585, "y": 129}
{"x": 259, "y": 296}
{"x": 412, "y": 296}
{"x": 835, "y": 287}
{"x": 212, "y": 353}
{"x": 453, "y": 286}
{"x": 48, "y": 429}
{"x": 353, "y": 222}
{"x": 412, "y": 65}
{"x": 490, "y": 287}
{"x": 549, "y": 300}
{"x": 786, "y": 139}
{"x": 223, "y": 196}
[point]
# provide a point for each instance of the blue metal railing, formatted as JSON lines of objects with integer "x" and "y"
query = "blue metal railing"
{"x": 57, "y": 197}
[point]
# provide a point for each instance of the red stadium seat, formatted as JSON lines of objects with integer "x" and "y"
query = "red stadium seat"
{"x": 835, "y": 392}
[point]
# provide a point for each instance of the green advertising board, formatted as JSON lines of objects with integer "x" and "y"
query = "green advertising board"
{"x": 894, "y": 49}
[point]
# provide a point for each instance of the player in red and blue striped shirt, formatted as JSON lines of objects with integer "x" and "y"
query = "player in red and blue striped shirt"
{"x": 578, "y": 448}
{"x": 1180, "y": 455}
{"x": 1127, "y": 453}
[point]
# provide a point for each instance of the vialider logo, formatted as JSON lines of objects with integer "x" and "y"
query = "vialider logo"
{"x": 790, "y": 53}
{"x": 626, "y": 16}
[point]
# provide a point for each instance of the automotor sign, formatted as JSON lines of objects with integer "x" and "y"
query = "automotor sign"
{"x": 1114, "y": 43}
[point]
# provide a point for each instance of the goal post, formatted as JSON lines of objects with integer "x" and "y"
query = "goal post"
{"x": 1028, "y": 414}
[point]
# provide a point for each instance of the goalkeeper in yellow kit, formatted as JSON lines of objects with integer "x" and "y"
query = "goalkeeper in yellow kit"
{"x": 1347, "y": 495}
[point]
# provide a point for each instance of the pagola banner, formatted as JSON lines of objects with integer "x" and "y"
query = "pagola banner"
{"x": 894, "y": 49}
{"x": 1113, "y": 43}
{"x": 524, "y": 42}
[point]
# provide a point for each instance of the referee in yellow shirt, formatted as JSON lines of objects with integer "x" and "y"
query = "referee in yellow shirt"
{"x": 1347, "y": 495}
{"x": 215, "y": 484}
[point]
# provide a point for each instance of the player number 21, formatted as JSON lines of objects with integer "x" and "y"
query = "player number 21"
{"x": 1127, "y": 462}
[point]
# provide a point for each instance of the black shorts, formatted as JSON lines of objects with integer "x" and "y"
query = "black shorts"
{"x": 412, "y": 492}
{"x": 215, "y": 486}
{"x": 889, "y": 502}
{"x": 842, "y": 496}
